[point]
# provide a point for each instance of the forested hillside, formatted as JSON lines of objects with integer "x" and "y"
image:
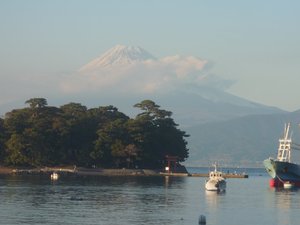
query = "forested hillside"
{"x": 72, "y": 134}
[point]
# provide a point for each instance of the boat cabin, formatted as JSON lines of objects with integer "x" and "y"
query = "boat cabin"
{"x": 215, "y": 174}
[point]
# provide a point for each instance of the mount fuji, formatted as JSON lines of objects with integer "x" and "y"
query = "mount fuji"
{"x": 126, "y": 75}
{"x": 119, "y": 55}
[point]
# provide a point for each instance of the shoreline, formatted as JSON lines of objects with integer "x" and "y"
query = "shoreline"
{"x": 69, "y": 170}
{"x": 81, "y": 171}
{"x": 5, "y": 170}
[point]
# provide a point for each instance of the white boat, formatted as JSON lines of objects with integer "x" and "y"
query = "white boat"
{"x": 216, "y": 181}
{"x": 54, "y": 176}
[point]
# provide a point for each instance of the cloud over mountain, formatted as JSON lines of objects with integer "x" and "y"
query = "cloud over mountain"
{"x": 133, "y": 70}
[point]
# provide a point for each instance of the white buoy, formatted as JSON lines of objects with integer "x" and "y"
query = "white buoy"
{"x": 54, "y": 176}
{"x": 202, "y": 219}
{"x": 288, "y": 185}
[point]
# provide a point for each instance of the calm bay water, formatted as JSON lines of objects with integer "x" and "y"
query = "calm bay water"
{"x": 144, "y": 200}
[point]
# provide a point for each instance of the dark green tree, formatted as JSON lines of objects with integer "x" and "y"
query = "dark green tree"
{"x": 132, "y": 155}
{"x": 2, "y": 140}
{"x": 159, "y": 135}
{"x": 15, "y": 123}
{"x": 34, "y": 136}
{"x": 110, "y": 145}
{"x": 37, "y": 102}
{"x": 18, "y": 151}
{"x": 79, "y": 135}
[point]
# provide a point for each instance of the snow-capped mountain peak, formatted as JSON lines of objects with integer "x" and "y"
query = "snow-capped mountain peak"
{"x": 119, "y": 55}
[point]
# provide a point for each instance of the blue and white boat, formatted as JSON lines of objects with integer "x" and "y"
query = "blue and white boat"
{"x": 284, "y": 173}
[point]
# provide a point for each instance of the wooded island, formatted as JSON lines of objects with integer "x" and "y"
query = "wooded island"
{"x": 72, "y": 134}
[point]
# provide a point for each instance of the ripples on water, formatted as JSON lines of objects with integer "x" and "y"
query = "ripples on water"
{"x": 144, "y": 200}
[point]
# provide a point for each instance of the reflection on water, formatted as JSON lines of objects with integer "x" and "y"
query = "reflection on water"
{"x": 113, "y": 200}
{"x": 284, "y": 198}
{"x": 143, "y": 201}
{"x": 213, "y": 197}
{"x": 285, "y": 202}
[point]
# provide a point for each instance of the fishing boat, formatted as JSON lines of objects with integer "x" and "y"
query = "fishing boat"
{"x": 216, "y": 181}
{"x": 284, "y": 173}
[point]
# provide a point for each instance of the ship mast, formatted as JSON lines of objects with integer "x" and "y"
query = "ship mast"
{"x": 284, "y": 149}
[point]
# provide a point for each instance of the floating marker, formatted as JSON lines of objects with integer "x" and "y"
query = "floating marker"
{"x": 54, "y": 176}
{"x": 202, "y": 219}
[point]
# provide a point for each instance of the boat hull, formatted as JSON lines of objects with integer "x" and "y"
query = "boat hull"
{"x": 282, "y": 172}
{"x": 215, "y": 185}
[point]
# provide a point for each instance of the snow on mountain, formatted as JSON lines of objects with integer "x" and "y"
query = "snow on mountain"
{"x": 133, "y": 70}
{"x": 186, "y": 74}
{"x": 119, "y": 55}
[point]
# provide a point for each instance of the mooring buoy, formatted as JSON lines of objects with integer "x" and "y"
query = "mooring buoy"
{"x": 202, "y": 219}
{"x": 54, "y": 176}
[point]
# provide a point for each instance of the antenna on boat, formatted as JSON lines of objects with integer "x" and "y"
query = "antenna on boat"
{"x": 284, "y": 149}
{"x": 286, "y": 130}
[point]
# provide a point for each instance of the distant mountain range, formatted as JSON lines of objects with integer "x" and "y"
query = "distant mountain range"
{"x": 210, "y": 105}
{"x": 243, "y": 141}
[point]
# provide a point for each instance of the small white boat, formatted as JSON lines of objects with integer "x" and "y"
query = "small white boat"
{"x": 216, "y": 181}
{"x": 54, "y": 176}
{"x": 288, "y": 185}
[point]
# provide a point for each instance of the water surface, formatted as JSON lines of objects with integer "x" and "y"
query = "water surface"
{"x": 144, "y": 200}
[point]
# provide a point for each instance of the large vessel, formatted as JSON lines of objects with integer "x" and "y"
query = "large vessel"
{"x": 216, "y": 181}
{"x": 284, "y": 173}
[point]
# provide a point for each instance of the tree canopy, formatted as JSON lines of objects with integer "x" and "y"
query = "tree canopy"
{"x": 42, "y": 135}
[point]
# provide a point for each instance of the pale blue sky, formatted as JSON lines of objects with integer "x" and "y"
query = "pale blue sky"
{"x": 253, "y": 42}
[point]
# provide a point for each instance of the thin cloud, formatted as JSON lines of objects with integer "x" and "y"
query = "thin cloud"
{"x": 145, "y": 77}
